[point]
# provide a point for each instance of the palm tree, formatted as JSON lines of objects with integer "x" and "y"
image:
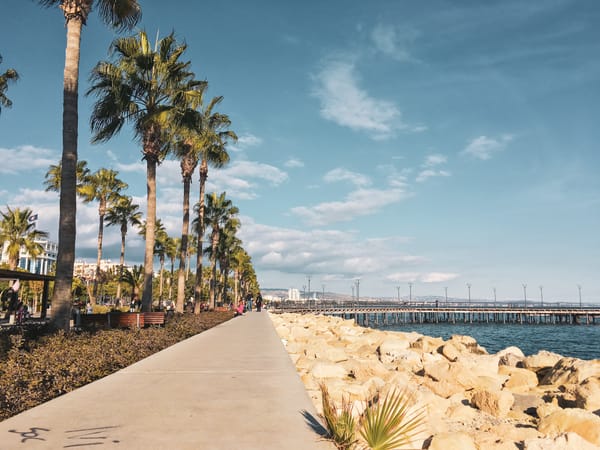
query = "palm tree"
{"x": 214, "y": 135}
{"x": 123, "y": 212}
{"x": 134, "y": 278}
{"x": 228, "y": 243}
{"x": 17, "y": 230}
{"x": 171, "y": 250}
{"x": 102, "y": 186}
{"x": 143, "y": 87}
{"x": 192, "y": 245}
{"x": 120, "y": 14}
{"x": 9, "y": 76}
{"x": 219, "y": 210}
{"x": 53, "y": 176}
{"x": 161, "y": 243}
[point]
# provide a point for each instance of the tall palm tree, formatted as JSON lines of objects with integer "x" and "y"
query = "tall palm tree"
{"x": 214, "y": 134}
{"x": 161, "y": 242}
{"x": 191, "y": 250}
{"x": 219, "y": 210}
{"x": 104, "y": 187}
{"x": 171, "y": 250}
{"x": 144, "y": 87}
{"x": 53, "y": 176}
{"x": 134, "y": 278}
{"x": 123, "y": 212}
{"x": 121, "y": 15}
{"x": 228, "y": 243}
{"x": 17, "y": 230}
{"x": 10, "y": 75}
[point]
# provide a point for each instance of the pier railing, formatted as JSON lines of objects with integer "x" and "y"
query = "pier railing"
{"x": 449, "y": 312}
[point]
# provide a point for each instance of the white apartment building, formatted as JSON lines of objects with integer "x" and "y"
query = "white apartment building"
{"x": 42, "y": 264}
{"x": 293, "y": 294}
{"x": 84, "y": 269}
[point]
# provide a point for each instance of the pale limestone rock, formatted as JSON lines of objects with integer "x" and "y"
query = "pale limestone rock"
{"x": 479, "y": 365}
{"x": 572, "y": 371}
{"x": 390, "y": 348}
{"x": 580, "y": 421}
{"x": 519, "y": 380}
{"x": 327, "y": 370}
{"x": 509, "y": 359}
{"x": 427, "y": 344}
{"x": 587, "y": 395}
{"x": 460, "y": 339}
{"x": 496, "y": 403}
{"x": 443, "y": 388}
{"x": 527, "y": 403}
{"x": 299, "y": 332}
{"x": 429, "y": 358}
{"x": 363, "y": 369}
{"x": 567, "y": 441}
{"x": 450, "y": 351}
{"x": 489, "y": 440}
{"x": 452, "y": 441}
{"x": 462, "y": 413}
{"x": 516, "y": 351}
{"x": 547, "y": 408}
{"x": 540, "y": 360}
{"x": 283, "y": 330}
{"x": 516, "y": 434}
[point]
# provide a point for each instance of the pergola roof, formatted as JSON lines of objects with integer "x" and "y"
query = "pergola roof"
{"x": 6, "y": 274}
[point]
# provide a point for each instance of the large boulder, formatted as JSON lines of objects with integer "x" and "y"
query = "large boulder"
{"x": 580, "y": 421}
{"x": 587, "y": 395}
{"x": 327, "y": 370}
{"x": 467, "y": 344}
{"x": 540, "y": 360}
{"x": 571, "y": 371}
{"x": 519, "y": 380}
{"x": 567, "y": 441}
{"x": 390, "y": 349}
{"x": 452, "y": 441}
{"x": 496, "y": 403}
{"x": 427, "y": 344}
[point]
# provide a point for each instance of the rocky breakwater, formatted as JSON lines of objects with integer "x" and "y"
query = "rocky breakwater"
{"x": 474, "y": 400}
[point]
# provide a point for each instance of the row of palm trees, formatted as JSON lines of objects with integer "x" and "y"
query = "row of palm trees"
{"x": 154, "y": 91}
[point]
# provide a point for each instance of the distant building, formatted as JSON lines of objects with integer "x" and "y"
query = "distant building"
{"x": 42, "y": 264}
{"x": 293, "y": 294}
{"x": 84, "y": 269}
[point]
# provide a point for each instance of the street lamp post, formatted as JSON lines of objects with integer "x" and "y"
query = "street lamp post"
{"x": 494, "y": 290}
{"x": 398, "y": 289}
{"x": 446, "y": 294}
{"x": 410, "y": 292}
{"x": 308, "y": 276}
{"x": 579, "y": 288}
{"x": 525, "y": 294}
{"x": 542, "y": 295}
{"x": 469, "y": 289}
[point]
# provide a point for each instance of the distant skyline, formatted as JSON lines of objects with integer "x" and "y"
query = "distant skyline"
{"x": 438, "y": 143}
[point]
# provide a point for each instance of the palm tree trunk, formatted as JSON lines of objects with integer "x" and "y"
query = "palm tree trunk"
{"x": 121, "y": 264}
{"x": 185, "y": 227}
{"x": 213, "y": 280}
{"x": 99, "y": 257}
{"x": 61, "y": 298}
{"x": 150, "y": 227}
{"x": 198, "y": 284}
{"x": 160, "y": 282}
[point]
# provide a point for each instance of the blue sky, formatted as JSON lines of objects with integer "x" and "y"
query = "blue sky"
{"x": 438, "y": 143}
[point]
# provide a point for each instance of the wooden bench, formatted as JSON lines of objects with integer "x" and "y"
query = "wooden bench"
{"x": 94, "y": 320}
{"x": 127, "y": 320}
{"x": 154, "y": 318}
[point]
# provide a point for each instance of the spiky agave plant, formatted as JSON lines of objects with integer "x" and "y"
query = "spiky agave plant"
{"x": 341, "y": 425}
{"x": 392, "y": 422}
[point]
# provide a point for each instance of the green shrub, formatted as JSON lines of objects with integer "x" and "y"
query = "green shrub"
{"x": 36, "y": 365}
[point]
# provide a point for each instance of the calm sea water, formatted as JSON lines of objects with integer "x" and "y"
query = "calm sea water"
{"x": 579, "y": 341}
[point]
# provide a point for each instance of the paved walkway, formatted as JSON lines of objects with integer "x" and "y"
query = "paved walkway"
{"x": 232, "y": 387}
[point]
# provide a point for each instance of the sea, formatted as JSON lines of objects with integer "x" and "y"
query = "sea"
{"x": 578, "y": 341}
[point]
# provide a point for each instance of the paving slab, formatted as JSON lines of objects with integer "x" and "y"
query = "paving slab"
{"x": 230, "y": 387}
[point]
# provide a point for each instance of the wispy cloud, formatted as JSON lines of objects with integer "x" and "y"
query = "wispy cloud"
{"x": 244, "y": 142}
{"x": 435, "y": 160}
{"x": 484, "y": 147}
{"x": 293, "y": 163}
{"x": 242, "y": 179}
{"x": 393, "y": 41}
{"x": 340, "y": 174}
{"x": 26, "y": 158}
{"x": 361, "y": 202}
{"x": 423, "y": 277}
{"x": 344, "y": 102}
{"x": 424, "y": 175}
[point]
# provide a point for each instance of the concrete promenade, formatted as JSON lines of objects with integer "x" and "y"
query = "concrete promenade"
{"x": 232, "y": 387}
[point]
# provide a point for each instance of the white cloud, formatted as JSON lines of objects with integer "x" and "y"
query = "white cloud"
{"x": 244, "y": 142}
{"x": 438, "y": 277}
{"x": 424, "y": 175}
{"x": 340, "y": 174}
{"x": 361, "y": 202}
{"x": 242, "y": 179}
{"x": 345, "y": 103}
{"x": 293, "y": 162}
{"x": 484, "y": 148}
{"x": 393, "y": 42}
{"x": 434, "y": 160}
{"x": 26, "y": 158}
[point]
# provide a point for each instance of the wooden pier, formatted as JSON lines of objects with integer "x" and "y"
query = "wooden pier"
{"x": 385, "y": 314}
